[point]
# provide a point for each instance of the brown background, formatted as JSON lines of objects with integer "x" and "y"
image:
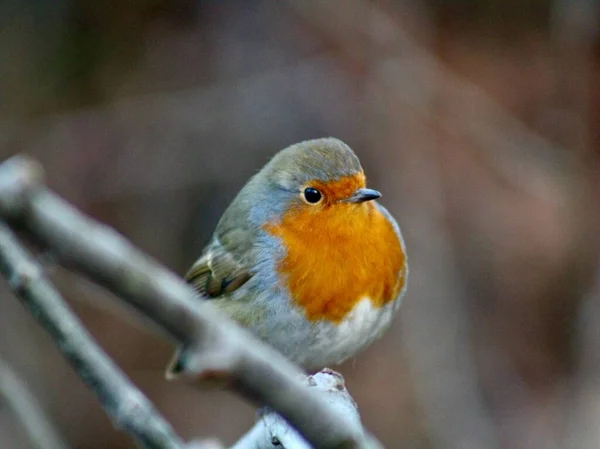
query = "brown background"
{"x": 478, "y": 120}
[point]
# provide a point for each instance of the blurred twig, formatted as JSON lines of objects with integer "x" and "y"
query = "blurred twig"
{"x": 436, "y": 326}
{"x": 128, "y": 407}
{"x": 215, "y": 347}
{"x": 15, "y": 393}
{"x": 409, "y": 73}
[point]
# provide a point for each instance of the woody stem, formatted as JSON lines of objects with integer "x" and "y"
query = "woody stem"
{"x": 255, "y": 370}
{"x": 128, "y": 407}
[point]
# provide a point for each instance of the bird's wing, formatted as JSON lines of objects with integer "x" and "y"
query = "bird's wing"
{"x": 222, "y": 268}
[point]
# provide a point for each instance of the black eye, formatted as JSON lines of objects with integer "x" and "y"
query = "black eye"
{"x": 312, "y": 195}
{"x": 275, "y": 441}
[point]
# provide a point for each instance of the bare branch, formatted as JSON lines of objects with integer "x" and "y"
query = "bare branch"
{"x": 214, "y": 347}
{"x": 271, "y": 427}
{"x": 128, "y": 407}
{"x": 205, "y": 444}
{"x": 15, "y": 393}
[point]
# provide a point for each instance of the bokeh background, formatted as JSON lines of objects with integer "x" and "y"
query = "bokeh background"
{"x": 477, "y": 119}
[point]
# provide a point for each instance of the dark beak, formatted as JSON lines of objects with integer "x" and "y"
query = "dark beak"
{"x": 362, "y": 195}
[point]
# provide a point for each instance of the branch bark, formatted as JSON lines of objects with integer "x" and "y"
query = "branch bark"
{"x": 127, "y": 406}
{"x": 271, "y": 430}
{"x": 214, "y": 346}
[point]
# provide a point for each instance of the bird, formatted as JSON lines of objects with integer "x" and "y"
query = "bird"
{"x": 305, "y": 257}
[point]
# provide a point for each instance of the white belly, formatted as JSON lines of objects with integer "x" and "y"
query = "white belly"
{"x": 319, "y": 344}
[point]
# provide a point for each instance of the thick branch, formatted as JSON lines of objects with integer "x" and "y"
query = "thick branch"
{"x": 272, "y": 428}
{"x": 214, "y": 345}
{"x": 128, "y": 407}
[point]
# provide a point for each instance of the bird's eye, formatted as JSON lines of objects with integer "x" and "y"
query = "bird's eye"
{"x": 312, "y": 195}
{"x": 275, "y": 441}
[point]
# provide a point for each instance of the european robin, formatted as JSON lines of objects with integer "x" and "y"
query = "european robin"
{"x": 305, "y": 258}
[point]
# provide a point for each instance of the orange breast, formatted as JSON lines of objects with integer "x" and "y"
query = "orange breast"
{"x": 338, "y": 255}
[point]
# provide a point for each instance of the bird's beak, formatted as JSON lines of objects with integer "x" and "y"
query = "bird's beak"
{"x": 362, "y": 195}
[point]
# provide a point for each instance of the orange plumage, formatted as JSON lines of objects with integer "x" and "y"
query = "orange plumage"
{"x": 306, "y": 258}
{"x": 339, "y": 253}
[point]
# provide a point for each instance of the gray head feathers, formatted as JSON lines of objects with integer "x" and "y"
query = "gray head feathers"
{"x": 324, "y": 159}
{"x": 274, "y": 188}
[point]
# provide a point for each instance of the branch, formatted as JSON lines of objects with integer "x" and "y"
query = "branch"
{"x": 128, "y": 407}
{"x": 205, "y": 444}
{"x": 213, "y": 345}
{"x": 272, "y": 428}
{"x": 38, "y": 427}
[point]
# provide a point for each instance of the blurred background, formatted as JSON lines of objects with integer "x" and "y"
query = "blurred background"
{"x": 477, "y": 119}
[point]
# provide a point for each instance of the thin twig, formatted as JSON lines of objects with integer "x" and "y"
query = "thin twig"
{"x": 40, "y": 430}
{"x": 214, "y": 346}
{"x": 127, "y": 406}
